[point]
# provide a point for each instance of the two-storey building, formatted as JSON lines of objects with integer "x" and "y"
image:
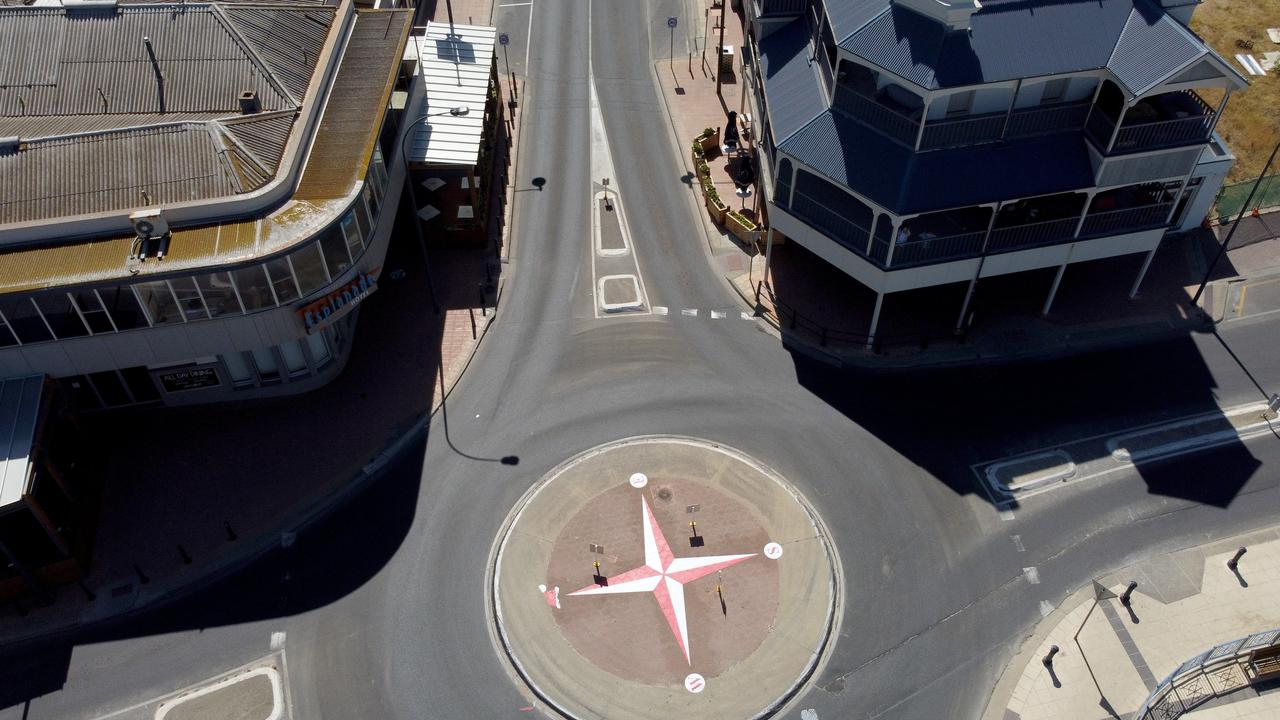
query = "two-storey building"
{"x": 194, "y": 196}
{"x": 915, "y": 143}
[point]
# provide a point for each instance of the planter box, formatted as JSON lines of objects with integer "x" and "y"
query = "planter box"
{"x": 716, "y": 209}
{"x": 710, "y": 144}
{"x": 739, "y": 229}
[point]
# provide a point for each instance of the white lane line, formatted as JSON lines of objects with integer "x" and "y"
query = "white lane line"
{"x": 1004, "y": 513}
{"x": 528, "y": 43}
{"x": 689, "y": 312}
{"x": 1017, "y": 542}
{"x": 746, "y": 315}
{"x": 523, "y": 4}
{"x": 717, "y": 314}
{"x": 659, "y": 310}
{"x": 1031, "y": 574}
{"x": 277, "y": 640}
{"x": 1045, "y": 608}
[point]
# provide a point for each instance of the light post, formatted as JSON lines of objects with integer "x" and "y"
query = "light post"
{"x": 457, "y": 111}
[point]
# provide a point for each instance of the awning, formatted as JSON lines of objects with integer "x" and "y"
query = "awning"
{"x": 456, "y": 66}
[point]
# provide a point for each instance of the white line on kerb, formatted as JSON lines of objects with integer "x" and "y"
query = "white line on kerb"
{"x": 659, "y": 310}
{"x": 717, "y": 314}
{"x": 689, "y": 312}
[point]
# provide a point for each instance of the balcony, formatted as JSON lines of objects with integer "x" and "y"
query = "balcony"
{"x": 848, "y": 233}
{"x": 955, "y": 132}
{"x": 881, "y": 113}
{"x": 925, "y": 249}
{"x": 1116, "y": 222}
{"x": 1047, "y": 119}
{"x": 1031, "y": 235}
{"x": 1160, "y": 121}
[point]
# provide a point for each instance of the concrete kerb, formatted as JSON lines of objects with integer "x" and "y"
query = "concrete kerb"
{"x": 504, "y": 255}
{"x": 1002, "y": 692}
{"x": 498, "y": 633}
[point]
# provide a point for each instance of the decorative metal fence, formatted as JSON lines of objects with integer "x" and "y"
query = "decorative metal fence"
{"x": 1215, "y": 672}
{"x": 1231, "y": 197}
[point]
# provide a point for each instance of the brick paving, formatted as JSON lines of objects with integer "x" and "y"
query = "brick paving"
{"x": 222, "y": 479}
{"x": 1185, "y": 604}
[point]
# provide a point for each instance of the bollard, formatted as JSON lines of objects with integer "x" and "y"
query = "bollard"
{"x": 182, "y": 553}
{"x": 1234, "y": 562}
{"x": 231, "y": 534}
{"x": 1125, "y": 600}
{"x": 1048, "y": 658}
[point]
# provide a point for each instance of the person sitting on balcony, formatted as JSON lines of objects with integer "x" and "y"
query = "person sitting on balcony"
{"x": 904, "y": 236}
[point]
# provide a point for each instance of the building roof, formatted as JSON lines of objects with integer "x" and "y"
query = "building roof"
{"x": 456, "y": 68}
{"x": 904, "y": 182}
{"x": 100, "y": 133}
{"x": 19, "y": 418}
{"x": 1140, "y": 43}
{"x": 340, "y": 153}
{"x": 790, "y": 79}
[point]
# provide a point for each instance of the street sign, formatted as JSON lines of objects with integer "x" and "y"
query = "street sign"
{"x": 503, "y": 39}
{"x": 672, "y": 21}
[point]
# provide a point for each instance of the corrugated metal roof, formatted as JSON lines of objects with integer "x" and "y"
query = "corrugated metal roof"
{"x": 287, "y": 40}
{"x": 791, "y": 82}
{"x": 457, "y": 70}
{"x": 339, "y": 157}
{"x": 263, "y": 135}
{"x": 19, "y": 417}
{"x": 853, "y": 155}
{"x": 849, "y": 16}
{"x": 1151, "y": 48}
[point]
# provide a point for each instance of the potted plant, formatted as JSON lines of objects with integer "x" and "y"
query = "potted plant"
{"x": 697, "y": 154}
{"x": 740, "y": 225}
{"x": 714, "y": 206}
{"x": 710, "y": 140}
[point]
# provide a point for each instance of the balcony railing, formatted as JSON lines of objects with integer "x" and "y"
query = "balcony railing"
{"x": 832, "y": 224}
{"x": 1162, "y": 133}
{"x": 881, "y": 117}
{"x": 953, "y": 132}
{"x": 950, "y": 247}
{"x": 1113, "y": 222}
{"x": 1064, "y": 117}
{"x": 779, "y": 7}
{"x": 1029, "y": 235}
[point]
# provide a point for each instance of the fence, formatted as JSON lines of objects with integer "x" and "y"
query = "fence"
{"x": 1218, "y": 671}
{"x": 1231, "y": 197}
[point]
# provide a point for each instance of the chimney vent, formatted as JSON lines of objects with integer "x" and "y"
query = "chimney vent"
{"x": 249, "y": 103}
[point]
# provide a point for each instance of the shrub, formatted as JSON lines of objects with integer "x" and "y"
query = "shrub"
{"x": 707, "y": 132}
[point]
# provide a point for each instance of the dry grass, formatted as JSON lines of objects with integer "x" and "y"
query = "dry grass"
{"x": 1251, "y": 123}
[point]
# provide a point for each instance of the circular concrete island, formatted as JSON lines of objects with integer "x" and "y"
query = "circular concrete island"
{"x": 662, "y": 577}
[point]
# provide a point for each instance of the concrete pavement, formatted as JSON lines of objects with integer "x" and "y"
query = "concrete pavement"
{"x": 1113, "y": 657}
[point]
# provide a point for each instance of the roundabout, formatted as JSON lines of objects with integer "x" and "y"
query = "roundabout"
{"x": 659, "y": 575}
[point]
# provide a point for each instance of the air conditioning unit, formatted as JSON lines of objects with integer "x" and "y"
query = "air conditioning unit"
{"x": 149, "y": 224}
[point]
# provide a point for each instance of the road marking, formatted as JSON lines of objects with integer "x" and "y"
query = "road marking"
{"x": 773, "y": 551}
{"x": 746, "y": 315}
{"x": 523, "y": 4}
{"x": 1017, "y": 542}
{"x": 689, "y": 312}
{"x": 809, "y": 714}
{"x": 1031, "y": 574}
{"x": 695, "y": 683}
{"x": 277, "y": 692}
{"x": 1004, "y": 512}
{"x": 659, "y": 310}
{"x": 639, "y": 480}
{"x": 277, "y": 640}
{"x": 717, "y": 314}
{"x": 1045, "y": 608}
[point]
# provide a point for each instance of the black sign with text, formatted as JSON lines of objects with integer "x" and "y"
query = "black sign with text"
{"x": 189, "y": 379}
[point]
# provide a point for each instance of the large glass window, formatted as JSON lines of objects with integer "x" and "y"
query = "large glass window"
{"x": 20, "y": 314}
{"x": 294, "y": 361}
{"x": 255, "y": 292}
{"x": 122, "y": 305}
{"x": 91, "y": 309}
{"x": 351, "y": 233}
{"x": 219, "y": 296}
{"x": 140, "y": 384}
{"x": 308, "y": 265}
{"x": 158, "y": 302}
{"x": 320, "y": 355}
{"x": 188, "y": 297}
{"x": 371, "y": 199}
{"x": 62, "y": 316}
{"x": 7, "y": 336}
{"x": 378, "y": 169}
{"x": 110, "y": 389}
{"x": 281, "y": 276}
{"x": 335, "y": 251}
{"x": 265, "y": 359}
{"x": 237, "y": 368}
{"x": 363, "y": 219}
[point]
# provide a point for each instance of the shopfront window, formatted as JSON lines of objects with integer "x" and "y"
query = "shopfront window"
{"x": 20, "y": 314}
{"x": 295, "y": 362}
{"x": 188, "y": 297}
{"x": 319, "y": 350}
{"x": 308, "y": 265}
{"x": 158, "y": 301}
{"x": 62, "y": 316}
{"x": 238, "y": 368}
{"x": 265, "y": 359}
{"x": 351, "y": 233}
{"x": 7, "y": 336}
{"x": 255, "y": 291}
{"x": 281, "y": 276}
{"x": 335, "y": 251}
{"x": 93, "y": 312}
{"x": 122, "y": 305}
{"x": 219, "y": 296}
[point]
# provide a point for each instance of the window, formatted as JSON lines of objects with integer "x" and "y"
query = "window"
{"x": 62, "y": 316}
{"x": 265, "y": 359}
{"x": 364, "y": 220}
{"x": 7, "y": 336}
{"x": 320, "y": 355}
{"x": 370, "y": 198}
{"x": 122, "y": 305}
{"x": 255, "y": 292}
{"x": 379, "y": 172}
{"x": 960, "y": 103}
{"x": 238, "y": 369}
{"x": 308, "y": 265}
{"x": 140, "y": 384}
{"x": 110, "y": 389}
{"x": 351, "y": 233}
{"x": 158, "y": 301}
{"x": 281, "y": 276}
{"x": 1054, "y": 91}
{"x": 23, "y": 319}
{"x": 782, "y": 196}
{"x": 295, "y": 362}
{"x": 91, "y": 309}
{"x": 188, "y": 297}
{"x": 335, "y": 251}
{"x": 219, "y": 296}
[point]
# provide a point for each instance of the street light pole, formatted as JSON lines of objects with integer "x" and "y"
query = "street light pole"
{"x": 1222, "y": 250}
{"x": 458, "y": 111}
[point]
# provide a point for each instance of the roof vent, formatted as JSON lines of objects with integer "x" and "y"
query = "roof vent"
{"x": 249, "y": 103}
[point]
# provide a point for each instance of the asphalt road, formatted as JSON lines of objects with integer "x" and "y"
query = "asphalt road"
{"x": 383, "y": 608}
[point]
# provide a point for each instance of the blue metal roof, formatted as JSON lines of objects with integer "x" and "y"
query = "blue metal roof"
{"x": 1023, "y": 38}
{"x": 849, "y": 16}
{"x": 791, "y": 82}
{"x": 849, "y": 153}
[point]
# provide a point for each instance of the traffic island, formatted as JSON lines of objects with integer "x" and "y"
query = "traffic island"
{"x": 659, "y": 576}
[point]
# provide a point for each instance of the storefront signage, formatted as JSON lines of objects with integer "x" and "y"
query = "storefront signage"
{"x": 321, "y": 313}
{"x": 189, "y": 379}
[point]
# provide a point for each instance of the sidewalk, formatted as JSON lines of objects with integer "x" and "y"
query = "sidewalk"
{"x": 821, "y": 312}
{"x": 1184, "y": 621}
{"x": 216, "y": 485}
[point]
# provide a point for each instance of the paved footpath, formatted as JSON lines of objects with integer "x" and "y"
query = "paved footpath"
{"x": 1111, "y": 657}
